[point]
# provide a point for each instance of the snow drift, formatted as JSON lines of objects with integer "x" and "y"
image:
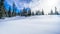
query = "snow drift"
{"x": 31, "y": 25}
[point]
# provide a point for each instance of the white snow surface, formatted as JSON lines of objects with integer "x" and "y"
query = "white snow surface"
{"x": 48, "y": 24}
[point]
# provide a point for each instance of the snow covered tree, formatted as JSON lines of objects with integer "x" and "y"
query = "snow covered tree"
{"x": 29, "y": 12}
{"x": 51, "y": 11}
{"x": 2, "y": 9}
{"x": 14, "y": 10}
{"x": 24, "y": 12}
{"x": 32, "y": 13}
{"x": 9, "y": 12}
{"x": 19, "y": 13}
{"x": 42, "y": 12}
{"x": 56, "y": 12}
{"x": 38, "y": 13}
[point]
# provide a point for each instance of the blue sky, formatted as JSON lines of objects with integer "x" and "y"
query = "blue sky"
{"x": 35, "y": 5}
{"x": 20, "y": 4}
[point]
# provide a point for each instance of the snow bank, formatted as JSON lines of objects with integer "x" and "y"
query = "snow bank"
{"x": 31, "y": 25}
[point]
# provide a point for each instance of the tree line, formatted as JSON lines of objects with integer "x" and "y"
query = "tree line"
{"x": 24, "y": 12}
{"x": 54, "y": 13}
{"x": 9, "y": 13}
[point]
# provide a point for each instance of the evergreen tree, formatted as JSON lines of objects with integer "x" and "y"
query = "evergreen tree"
{"x": 32, "y": 13}
{"x": 24, "y": 13}
{"x": 56, "y": 12}
{"x": 42, "y": 12}
{"x": 52, "y": 12}
{"x": 19, "y": 13}
{"x": 9, "y": 12}
{"x": 38, "y": 13}
{"x": 6, "y": 13}
{"x": 14, "y": 10}
{"x": 2, "y": 9}
{"x": 29, "y": 12}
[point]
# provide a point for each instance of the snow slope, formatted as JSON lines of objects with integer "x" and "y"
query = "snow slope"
{"x": 31, "y": 25}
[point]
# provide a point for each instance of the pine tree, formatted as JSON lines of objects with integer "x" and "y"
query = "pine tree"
{"x": 14, "y": 10}
{"x": 42, "y": 12}
{"x": 56, "y": 12}
{"x": 51, "y": 12}
{"x": 24, "y": 13}
{"x": 2, "y": 9}
{"x": 9, "y": 12}
{"x": 29, "y": 12}
{"x": 32, "y": 13}
{"x": 19, "y": 13}
{"x": 38, "y": 13}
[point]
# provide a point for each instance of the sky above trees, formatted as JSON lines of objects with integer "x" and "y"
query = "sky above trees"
{"x": 35, "y": 5}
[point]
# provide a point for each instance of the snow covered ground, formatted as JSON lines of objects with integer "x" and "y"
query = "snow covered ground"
{"x": 30, "y": 25}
